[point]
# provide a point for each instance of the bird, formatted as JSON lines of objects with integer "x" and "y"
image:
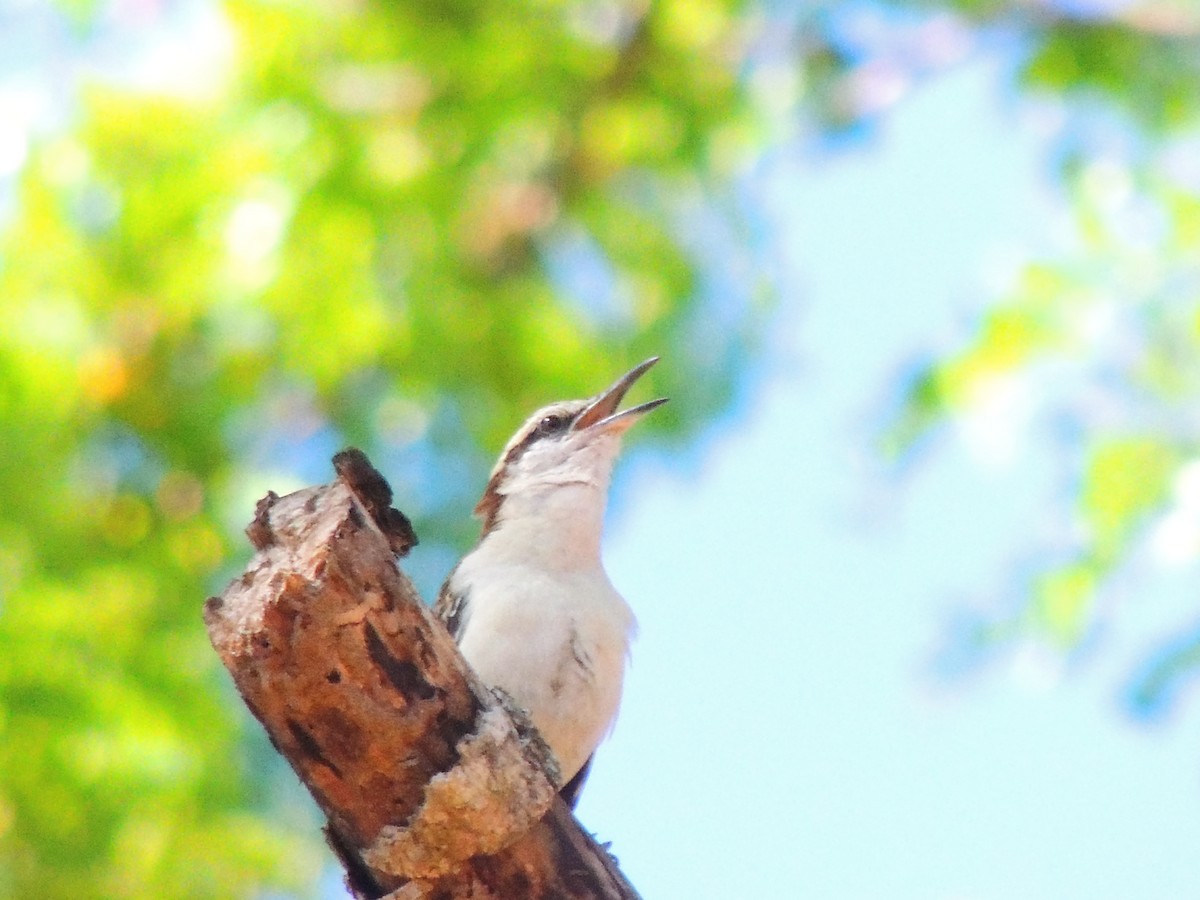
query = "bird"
{"x": 531, "y": 607}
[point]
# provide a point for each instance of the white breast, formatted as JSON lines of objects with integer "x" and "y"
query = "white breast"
{"x": 556, "y": 640}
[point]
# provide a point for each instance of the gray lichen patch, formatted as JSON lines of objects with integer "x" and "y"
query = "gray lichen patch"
{"x": 498, "y": 790}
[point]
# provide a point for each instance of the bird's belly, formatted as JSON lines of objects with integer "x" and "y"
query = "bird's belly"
{"x": 565, "y": 668}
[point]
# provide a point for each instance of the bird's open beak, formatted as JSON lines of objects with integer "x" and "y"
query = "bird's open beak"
{"x": 602, "y": 413}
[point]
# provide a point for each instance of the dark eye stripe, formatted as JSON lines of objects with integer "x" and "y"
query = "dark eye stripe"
{"x": 549, "y": 426}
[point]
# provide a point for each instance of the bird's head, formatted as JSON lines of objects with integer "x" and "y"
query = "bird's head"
{"x": 573, "y": 442}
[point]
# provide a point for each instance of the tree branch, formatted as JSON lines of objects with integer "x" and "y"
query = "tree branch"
{"x": 432, "y": 785}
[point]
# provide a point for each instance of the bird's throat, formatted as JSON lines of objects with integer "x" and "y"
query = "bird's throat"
{"x": 559, "y": 527}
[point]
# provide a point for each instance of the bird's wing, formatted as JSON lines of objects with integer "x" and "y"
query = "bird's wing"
{"x": 451, "y": 608}
{"x": 571, "y": 790}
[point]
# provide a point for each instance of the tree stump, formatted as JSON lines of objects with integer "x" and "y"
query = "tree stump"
{"x": 432, "y": 785}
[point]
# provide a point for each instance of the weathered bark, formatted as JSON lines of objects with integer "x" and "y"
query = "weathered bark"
{"x": 433, "y": 787}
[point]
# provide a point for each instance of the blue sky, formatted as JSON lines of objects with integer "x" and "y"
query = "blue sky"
{"x": 784, "y": 732}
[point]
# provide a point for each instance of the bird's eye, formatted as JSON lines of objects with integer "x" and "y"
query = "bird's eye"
{"x": 552, "y": 424}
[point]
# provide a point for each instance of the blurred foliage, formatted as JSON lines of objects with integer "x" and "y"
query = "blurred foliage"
{"x": 1100, "y": 342}
{"x": 368, "y": 225}
{"x": 351, "y": 234}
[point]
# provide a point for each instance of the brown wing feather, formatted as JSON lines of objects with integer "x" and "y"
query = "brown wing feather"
{"x": 451, "y": 608}
{"x": 571, "y": 790}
